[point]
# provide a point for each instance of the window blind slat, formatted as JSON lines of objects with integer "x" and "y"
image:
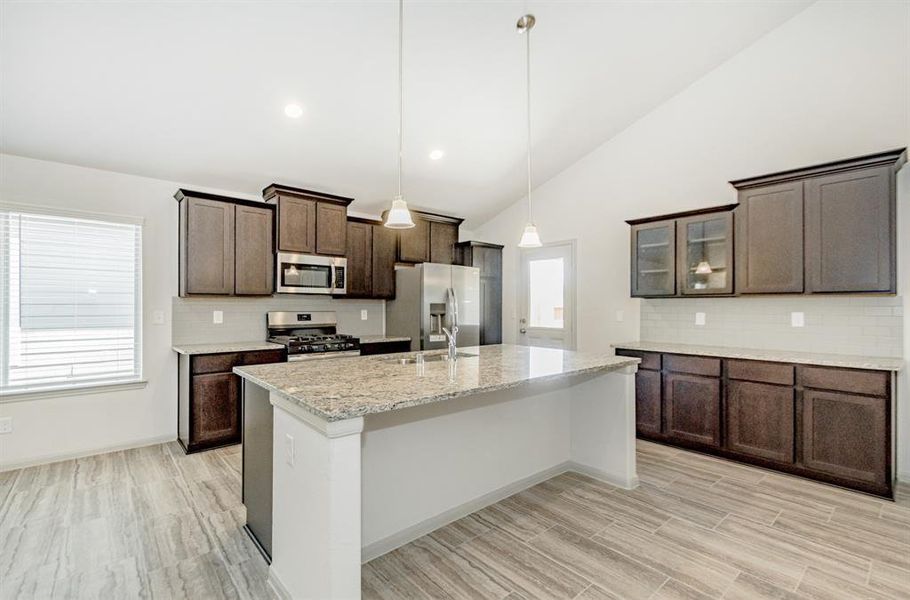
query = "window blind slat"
{"x": 70, "y": 294}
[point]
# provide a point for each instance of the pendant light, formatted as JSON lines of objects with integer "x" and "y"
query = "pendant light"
{"x": 399, "y": 217}
{"x": 530, "y": 237}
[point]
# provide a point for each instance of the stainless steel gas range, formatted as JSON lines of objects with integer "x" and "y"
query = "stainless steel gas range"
{"x": 309, "y": 335}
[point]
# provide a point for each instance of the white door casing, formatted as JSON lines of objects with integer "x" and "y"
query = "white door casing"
{"x": 541, "y": 321}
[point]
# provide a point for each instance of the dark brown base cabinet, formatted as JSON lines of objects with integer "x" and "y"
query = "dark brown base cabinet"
{"x": 829, "y": 424}
{"x": 209, "y": 412}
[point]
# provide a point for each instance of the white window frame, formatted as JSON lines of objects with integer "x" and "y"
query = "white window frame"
{"x": 79, "y": 387}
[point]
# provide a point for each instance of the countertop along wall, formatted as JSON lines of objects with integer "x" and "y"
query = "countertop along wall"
{"x": 832, "y": 82}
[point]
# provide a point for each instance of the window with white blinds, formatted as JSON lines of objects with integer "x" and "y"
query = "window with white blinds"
{"x": 70, "y": 302}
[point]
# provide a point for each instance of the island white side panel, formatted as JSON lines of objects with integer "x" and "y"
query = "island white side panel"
{"x": 603, "y": 428}
{"x": 421, "y": 462}
{"x": 316, "y": 510}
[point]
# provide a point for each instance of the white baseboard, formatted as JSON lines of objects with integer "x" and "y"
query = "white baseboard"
{"x": 603, "y": 476}
{"x": 422, "y": 528}
{"x": 277, "y": 587}
{"x": 52, "y": 458}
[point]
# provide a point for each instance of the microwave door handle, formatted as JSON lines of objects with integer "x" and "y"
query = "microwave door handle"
{"x": 332, "y": 281}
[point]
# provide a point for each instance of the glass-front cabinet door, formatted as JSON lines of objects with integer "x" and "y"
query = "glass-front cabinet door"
{"x": 705, "y": 250}
{"x": 654, "y": 259}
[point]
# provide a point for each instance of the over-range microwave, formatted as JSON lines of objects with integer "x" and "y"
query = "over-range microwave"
{"x": 310, "y": 274}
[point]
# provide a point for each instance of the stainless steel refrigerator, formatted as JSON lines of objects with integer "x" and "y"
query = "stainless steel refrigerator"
{"x": 431, "y": 296}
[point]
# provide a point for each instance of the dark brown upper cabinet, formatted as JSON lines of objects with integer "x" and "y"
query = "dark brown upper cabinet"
{"x": 443, "y": 237}
{"x": 331, "y": 228}
{"x": 371, "y": 259}
{"x": 296, "y": 225}
{"x": 487, "y": 258}
{"x": 687, "y": 253}
{"x": 225, "y": 245}
{"x": 385, "y": 249}
{"x": 850, "y": 238}
{"x": 360, "y": 259}
{"x": 705, "y": 254}
{"x": 654, "y": 259}
{"x": 826, "y": 228}
{"x": 254, "y": 257}
{"x": 309, "y": 222}
{"x": 414, "y": 243}
{"x": 432, "y": 238}
{"x": 769, "y": 239}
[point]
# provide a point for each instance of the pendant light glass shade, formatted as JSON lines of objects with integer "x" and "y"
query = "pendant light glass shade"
{"x": 530, "y": 238}
{"x": 399, "y": 217}
{"x": 704, "y": 268}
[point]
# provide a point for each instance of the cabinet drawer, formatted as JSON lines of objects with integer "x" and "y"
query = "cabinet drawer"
{"x": 696, "y": 365}
{"x": 260, "y": 357}
{"x": 762, "y": 372}
{"x": 214, "y": 363}
{"x": 872, "y": 383}
{"x": 649, "y": 360}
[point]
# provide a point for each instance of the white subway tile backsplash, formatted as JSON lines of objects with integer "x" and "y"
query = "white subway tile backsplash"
{"x": 244, "y": 318}
{"x": 868, "y": 325}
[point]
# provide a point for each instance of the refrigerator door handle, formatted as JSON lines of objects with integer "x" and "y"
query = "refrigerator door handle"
{"x": 454, "y": 320}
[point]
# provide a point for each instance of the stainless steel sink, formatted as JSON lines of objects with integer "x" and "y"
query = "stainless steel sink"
{"x": 411, "y": 360}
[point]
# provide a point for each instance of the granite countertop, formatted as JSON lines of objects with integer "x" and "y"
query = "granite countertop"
{"x": 383, "y": 339}
{"x": 344, "y": 388}
{"x": 876, "y": 363}
{"x": 224, "y": 347}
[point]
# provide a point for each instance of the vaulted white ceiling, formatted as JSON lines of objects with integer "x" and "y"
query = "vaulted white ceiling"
{"x": 195, "y": 91}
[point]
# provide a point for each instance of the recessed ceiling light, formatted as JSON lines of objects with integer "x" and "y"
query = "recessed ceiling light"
{"x": 436, "y": 154}
{"x": 295, "y": 111}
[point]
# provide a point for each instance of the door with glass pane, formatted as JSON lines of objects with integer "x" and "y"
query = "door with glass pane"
{"x": 654, "y": 259}
{"x": 705, "y": 249}
{"x": 547, "y": 307}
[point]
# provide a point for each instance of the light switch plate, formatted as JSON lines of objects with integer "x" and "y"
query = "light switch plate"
{"x": 217, "y": 317}
{"x": 157, "y": 317}
{"x": 619, "y": 316}
{"x": 797, "y": 319}
{"x": 363, "y": 314}
{"x": 289, "y": 449}
{"x": 699, "y": 318}
{"x": 6, "y": 425}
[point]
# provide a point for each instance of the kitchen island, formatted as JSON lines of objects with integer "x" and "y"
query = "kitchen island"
{"x": 370, "y": 453}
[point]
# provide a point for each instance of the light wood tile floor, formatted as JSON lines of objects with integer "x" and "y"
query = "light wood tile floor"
{"x": 155, "y": 523}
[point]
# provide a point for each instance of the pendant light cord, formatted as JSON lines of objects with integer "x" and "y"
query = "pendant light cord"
{"x": 400, "y": 87}
{"x": 528, "y": 93}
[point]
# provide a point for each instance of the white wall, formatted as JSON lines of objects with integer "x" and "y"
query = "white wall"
{"x": 831, "y": 83}
{"x": 75, "y": 424}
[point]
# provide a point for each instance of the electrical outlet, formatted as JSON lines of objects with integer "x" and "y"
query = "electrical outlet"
{"x": 157, "y": 317}
{"x": 797, "y": 319}
{"x": 289, "y": 453}
{"x": 699, "y": 318}
{"x": 619, "y": 316}
{"x": 363, "y": 314}
{"x": 6, "y": 425}
{"x": 217, "y": 317}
